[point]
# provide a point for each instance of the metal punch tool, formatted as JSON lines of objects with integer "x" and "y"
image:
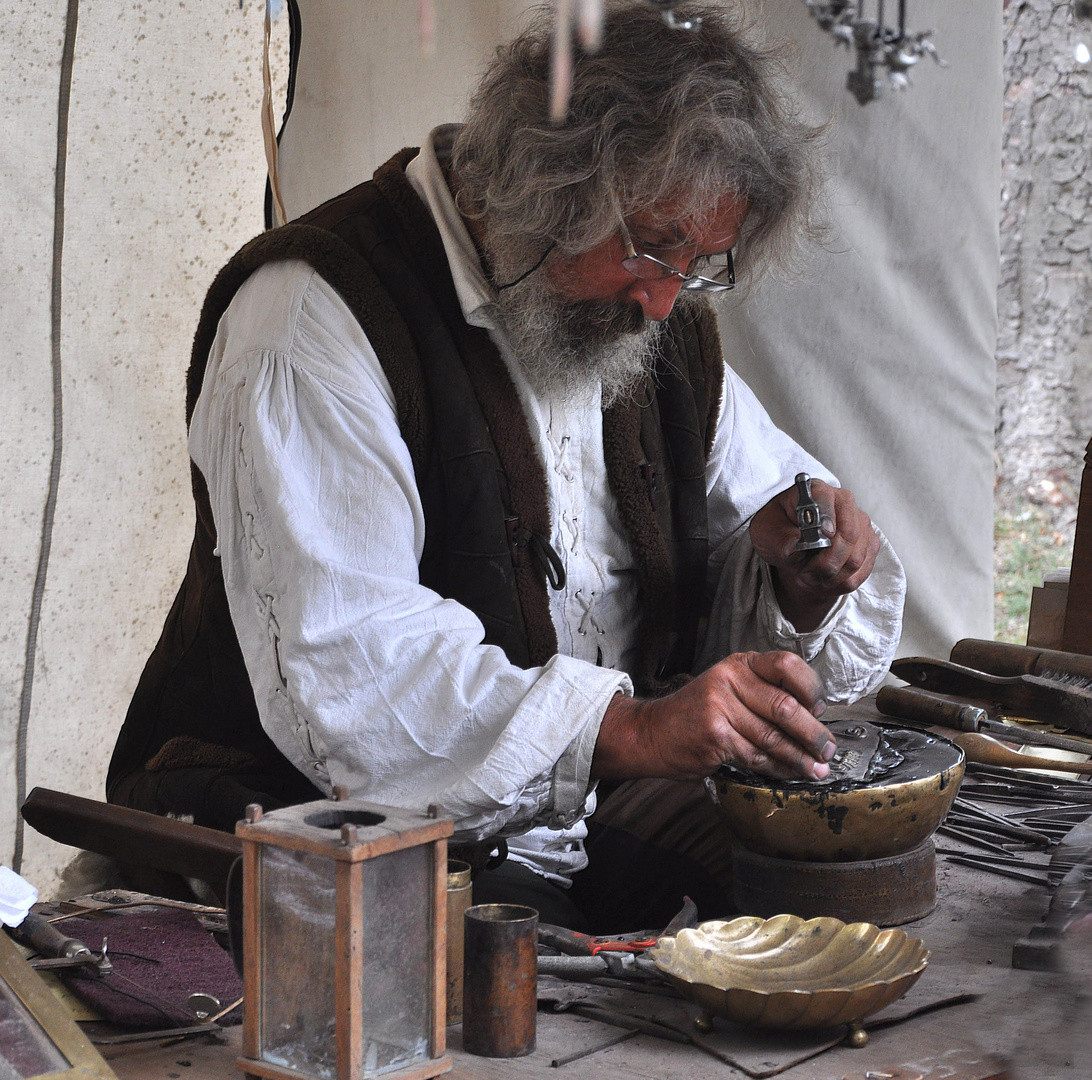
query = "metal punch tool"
{"x": 808, "y": 517}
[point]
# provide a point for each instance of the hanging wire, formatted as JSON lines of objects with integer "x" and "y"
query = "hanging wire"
{"x": 426, "y": 27}
{"x": 49, "y": 513}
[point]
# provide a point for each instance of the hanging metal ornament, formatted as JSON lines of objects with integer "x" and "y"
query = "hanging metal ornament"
{"x": 667, "y": 13}
{"x": 885, "y": 54}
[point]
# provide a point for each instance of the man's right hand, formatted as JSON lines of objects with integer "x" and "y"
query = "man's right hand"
{"x": 755, "y": 710}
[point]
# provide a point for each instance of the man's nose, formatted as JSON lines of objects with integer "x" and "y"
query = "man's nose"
{"x": 656, "y": 296}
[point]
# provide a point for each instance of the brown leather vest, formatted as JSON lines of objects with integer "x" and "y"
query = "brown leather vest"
{"x": 481, "y": 483}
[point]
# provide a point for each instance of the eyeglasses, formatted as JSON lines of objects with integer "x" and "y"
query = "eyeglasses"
{"x": 652, "y": 269}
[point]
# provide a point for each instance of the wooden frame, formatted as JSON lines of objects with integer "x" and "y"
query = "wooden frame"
{"x": 1077, "y": 632}
{"x": 348, "y": 846}
{"x": 46, "y": 1009}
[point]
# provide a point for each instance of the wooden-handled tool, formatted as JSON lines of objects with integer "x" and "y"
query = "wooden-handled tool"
{"x": 924, "y": 707}
{"x": 1029, "y": 696}
{"x": 1001, "y": 658}
{"x": 134, "y": 836}
{"x": 55, "y": 949}
{"x": 982, "y": 750}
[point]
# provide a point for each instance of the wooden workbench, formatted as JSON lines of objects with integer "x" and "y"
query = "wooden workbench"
{"x": 1026, "y": 1025}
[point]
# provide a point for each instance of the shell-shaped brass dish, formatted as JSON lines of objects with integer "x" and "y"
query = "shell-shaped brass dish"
{"x": 788, "y": 972}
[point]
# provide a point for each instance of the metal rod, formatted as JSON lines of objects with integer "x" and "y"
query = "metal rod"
{"x": 1017, "y": 778}
{"x": 1000, "y": 871}
{"x": 163, "y": 1033}
{"x": 970, "y": 838}
{"x": 613, "y": 1041}
{"x": 1071, "y": 808}
{"x": 1000, "y": 860}
{"x": 638, "y": 1024}
{"x": 999, "y": 824}
{"x": 988, "y": 828}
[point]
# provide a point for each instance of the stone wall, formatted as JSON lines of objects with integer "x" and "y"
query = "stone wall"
{"x": 1044, "y": 351}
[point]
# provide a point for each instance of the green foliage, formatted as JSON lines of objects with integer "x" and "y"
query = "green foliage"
{"x": 1027, "y": 546}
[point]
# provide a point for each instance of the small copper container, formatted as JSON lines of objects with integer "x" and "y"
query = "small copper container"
{"x": 500, "y": 980}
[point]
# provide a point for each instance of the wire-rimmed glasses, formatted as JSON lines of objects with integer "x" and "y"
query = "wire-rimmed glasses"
{"x": 652, "y": 269}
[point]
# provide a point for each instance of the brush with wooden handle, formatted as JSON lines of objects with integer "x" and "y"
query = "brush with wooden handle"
{"x": 983, "y": 750}
{"x": 1032, "y": 697}
{"x": 1002, "y": 658}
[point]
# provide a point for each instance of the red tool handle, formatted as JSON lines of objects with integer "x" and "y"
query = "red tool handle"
{"x": 599, "y": 945}
{"x": 572, "y": 943}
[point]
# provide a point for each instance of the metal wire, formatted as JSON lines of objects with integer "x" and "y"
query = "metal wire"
{"x": 64, "y": 98}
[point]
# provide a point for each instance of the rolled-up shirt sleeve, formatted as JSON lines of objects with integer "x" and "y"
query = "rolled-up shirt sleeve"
{"x": 753, "y": 460}
{"x": 364, "y": 677}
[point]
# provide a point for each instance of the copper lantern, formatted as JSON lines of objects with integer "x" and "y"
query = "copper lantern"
{"x": 344, "y": 927}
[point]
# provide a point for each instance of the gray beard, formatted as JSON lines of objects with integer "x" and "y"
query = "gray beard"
{"x": 569, "y": 349}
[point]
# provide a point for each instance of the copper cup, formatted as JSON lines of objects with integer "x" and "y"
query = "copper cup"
{"x": 500, "y": 980}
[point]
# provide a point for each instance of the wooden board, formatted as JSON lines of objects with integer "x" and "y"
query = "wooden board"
{"x": 1025, "y": 1017}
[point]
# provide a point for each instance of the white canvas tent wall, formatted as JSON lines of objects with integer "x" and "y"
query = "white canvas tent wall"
{"x": 881, "y": 358}
{"x": 881, "y": 361}
{"x": 165, "y": 178}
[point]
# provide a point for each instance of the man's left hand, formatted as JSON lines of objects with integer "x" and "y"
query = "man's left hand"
{"x": 809, "y": 583}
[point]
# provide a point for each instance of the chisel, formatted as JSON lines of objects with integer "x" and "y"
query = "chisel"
{"x": 987, "y": 751}
{"x": 925, "y": 707}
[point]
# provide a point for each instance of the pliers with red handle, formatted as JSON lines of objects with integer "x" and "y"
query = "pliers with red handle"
{"x": 571, "y": 943}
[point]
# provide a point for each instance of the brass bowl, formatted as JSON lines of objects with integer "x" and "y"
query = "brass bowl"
{"x": 816, "y": 823}
{"x": 788, "y": 972}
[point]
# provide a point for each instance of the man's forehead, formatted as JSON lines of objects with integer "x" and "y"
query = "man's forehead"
{"x": 673, "y": 221}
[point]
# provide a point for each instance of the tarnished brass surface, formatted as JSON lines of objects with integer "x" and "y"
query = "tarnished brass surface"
{"x": 788, "y": 972}
{"x": 820, "y": 824}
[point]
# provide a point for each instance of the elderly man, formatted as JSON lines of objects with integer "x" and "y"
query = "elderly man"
{"x": 483, "y": 518}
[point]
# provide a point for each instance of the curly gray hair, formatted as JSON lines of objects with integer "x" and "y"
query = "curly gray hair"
{"x": 656, "y": 114}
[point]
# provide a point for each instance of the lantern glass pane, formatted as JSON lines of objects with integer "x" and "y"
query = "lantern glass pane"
{"x": 397, "y": 970}
{"x": 25, "y": 1048}
{"x": 297, "y": 961}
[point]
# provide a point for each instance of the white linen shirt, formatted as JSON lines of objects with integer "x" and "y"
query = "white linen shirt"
{"x": 365, "y": 678}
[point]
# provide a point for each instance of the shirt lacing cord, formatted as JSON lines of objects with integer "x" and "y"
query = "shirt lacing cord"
{"x": 561, "y": 464}
{"x": 588, "y": 618}
{"x": 541, "y": 551}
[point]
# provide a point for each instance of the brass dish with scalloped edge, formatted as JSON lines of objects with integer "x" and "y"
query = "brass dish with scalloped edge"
{"x": 789, "y": 972}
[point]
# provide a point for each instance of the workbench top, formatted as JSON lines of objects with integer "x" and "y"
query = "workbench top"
{"x": 1026, "y": 1025}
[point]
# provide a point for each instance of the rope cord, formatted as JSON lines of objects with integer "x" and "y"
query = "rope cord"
{"x": 269, "y": 136}
{"x": 49, "y": 513}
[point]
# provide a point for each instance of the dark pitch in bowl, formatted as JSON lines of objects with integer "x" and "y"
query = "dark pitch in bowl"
{"x": 887, "y": 812}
